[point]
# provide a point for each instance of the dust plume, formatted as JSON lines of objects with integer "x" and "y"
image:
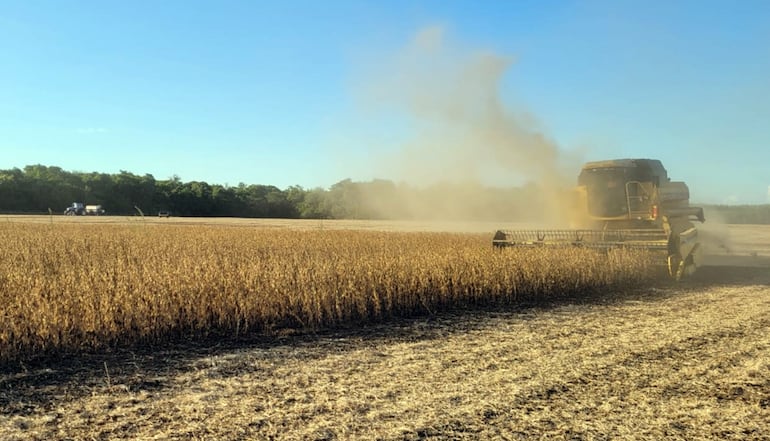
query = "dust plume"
{"x": 714, "y": 234}
{"x": 456, "y": 133}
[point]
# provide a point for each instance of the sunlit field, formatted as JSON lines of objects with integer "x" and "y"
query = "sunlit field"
{"x": 272, "y": 329}
{"x": 68, "y": 286}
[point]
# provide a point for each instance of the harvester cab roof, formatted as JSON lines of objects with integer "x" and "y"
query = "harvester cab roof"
{"x": 642, "y": 170}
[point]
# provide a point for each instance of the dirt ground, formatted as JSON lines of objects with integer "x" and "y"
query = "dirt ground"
{"x": 675, "y": 361}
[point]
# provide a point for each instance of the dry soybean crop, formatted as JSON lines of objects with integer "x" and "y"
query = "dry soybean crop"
{"x": 68, "y": 287}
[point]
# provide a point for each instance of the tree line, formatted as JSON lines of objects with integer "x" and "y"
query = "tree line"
{"x": 38, "y": 188}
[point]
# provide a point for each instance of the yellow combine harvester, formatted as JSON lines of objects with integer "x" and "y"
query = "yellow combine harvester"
{"x": 626, "y": 203}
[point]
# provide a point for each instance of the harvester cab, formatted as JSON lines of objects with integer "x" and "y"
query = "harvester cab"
{"x": 626, "y": 203}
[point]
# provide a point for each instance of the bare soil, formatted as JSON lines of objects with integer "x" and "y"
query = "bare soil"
{"x": 675, "y": 361}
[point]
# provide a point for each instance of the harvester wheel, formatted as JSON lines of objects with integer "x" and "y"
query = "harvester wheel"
{"x": 675, "y": 266}
{"x": 681, "y": 271}
{"x": 688, "y": 266}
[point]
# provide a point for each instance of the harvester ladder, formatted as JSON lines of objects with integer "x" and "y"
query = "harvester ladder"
{"x": 637, "y": 208}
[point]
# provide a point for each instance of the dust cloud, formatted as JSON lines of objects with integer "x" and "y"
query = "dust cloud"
{"x": 461, "y": 152}
{"x": 714, "y": 235}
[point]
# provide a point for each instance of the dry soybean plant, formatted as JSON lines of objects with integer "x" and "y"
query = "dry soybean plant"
{"x": 69, "y": 287}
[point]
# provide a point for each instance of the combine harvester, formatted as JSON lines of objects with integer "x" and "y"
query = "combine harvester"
{"x": 628, "y": 203}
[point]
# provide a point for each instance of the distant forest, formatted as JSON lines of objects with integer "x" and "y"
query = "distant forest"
{"x": 38, "y": 188}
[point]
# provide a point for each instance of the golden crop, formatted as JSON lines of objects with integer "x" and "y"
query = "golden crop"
{"x": 70, "y": 287}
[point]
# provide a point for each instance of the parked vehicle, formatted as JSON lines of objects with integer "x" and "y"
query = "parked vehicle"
{"x": 80, "y": 209}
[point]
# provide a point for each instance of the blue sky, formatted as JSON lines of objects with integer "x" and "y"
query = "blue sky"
{"x": 269, "y": 92}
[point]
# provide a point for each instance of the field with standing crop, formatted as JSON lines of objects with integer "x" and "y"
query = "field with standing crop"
{"x": 231, "y": 330}
{"x": 68, "y": 288}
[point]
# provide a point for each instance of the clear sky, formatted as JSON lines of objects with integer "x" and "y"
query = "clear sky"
{"x": 266, "y": 92}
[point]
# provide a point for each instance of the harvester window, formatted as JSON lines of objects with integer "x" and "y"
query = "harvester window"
{"x": 606, "y": 191}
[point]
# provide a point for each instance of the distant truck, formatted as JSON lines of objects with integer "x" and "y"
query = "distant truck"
{"x": 79, "y": 209}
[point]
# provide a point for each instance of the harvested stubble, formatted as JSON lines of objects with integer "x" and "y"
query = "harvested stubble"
{"x": 70, "y": 287}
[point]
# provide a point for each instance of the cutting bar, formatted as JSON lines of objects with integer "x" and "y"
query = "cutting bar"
{"x": 653, "y": 239}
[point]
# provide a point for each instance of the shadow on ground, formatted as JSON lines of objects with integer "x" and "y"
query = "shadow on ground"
{"x": 732, "y": 275}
